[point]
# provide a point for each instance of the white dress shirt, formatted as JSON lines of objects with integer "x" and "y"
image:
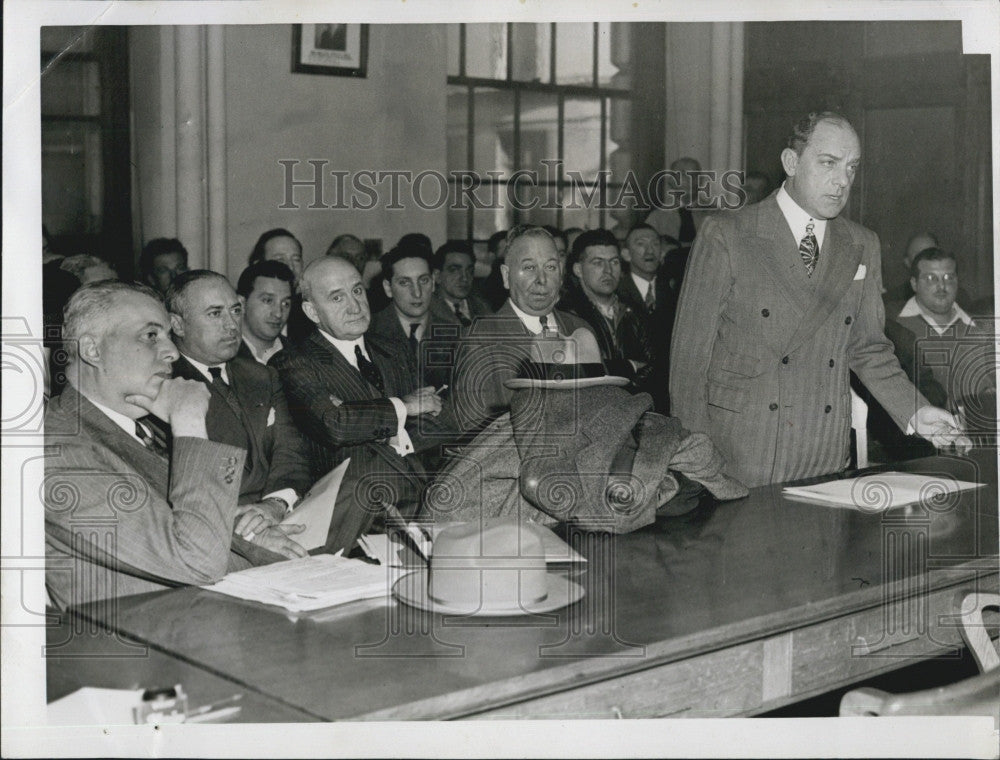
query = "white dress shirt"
{"x": 797, "y": 218}
{"x": 643, "y": 285}
{"x": 203, "y": 369}
{"x": 267, "y": 353}
{"x": 913, "y": 309}
{"x": 405, "y": 323}
{"x": 125, "y": 422}
{"x": 401, "y": 441}
{"x": 533, "y": 323}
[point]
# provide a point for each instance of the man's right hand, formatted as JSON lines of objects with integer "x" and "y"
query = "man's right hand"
{"x": 276, "y": 539}
{"x": 181, "y": 403}
{"x": 422, "y": 401}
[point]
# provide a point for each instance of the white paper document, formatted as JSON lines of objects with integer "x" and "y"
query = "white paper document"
{"x": 316, "y": 509}
{"x": 92, "y": 706}
{"x": 308, "y": 583}
{"x": 880, "y": 491}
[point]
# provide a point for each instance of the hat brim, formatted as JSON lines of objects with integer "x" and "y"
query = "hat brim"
{"x": 411, "y": 589}
{"x": 521, "y": 383}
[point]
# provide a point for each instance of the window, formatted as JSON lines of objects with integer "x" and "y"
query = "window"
{"x": 85, "y": 141}
{"x": 551, "y": 99}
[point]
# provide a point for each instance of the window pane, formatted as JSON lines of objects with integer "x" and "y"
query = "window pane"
{"x": 575, "y": 53}
{"x": 71, "y": 177}
{"x": 58, "y": 39}
{"x": 583, "y": 136}
{"x": 545, "y": 212}
{"x": 71, "y": 88}
{"x": 458, "y": 128}
{"x": 494, "y": 132}
{"x": 539, "y": 134}
{"x": 486, "y": 50}
{"x": 532, "y": 52}
{"x": 454, "y": 48}
{"x": 490, "y": 220}
{"x": 457, "y": 217}
{"x": 611, "y": 38}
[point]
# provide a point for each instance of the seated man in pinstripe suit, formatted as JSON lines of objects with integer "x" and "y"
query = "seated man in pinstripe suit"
{"x": 349, "y": 398}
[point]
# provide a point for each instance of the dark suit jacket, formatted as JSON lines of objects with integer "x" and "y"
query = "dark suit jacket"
{"x": 442, "y": 312}
{"x": 277, "y": 454}
{"x": 299, "y": 325}
{"x": 659, "y": 328}
{"x": 430, "y": 364}
{"x": 121, "y": 519}
{"x": 762, "y": 352}
{"x": 342, "y": 416}
{"x": 493, "y": 351}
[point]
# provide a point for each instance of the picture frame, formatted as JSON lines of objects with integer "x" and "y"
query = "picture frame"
{"x": 332, "y": 49}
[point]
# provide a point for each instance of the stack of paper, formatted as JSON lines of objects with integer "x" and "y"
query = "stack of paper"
{"x": 316, "y": 509}
{"x": 308, "y": 583}
{"x": 881, "y": 490}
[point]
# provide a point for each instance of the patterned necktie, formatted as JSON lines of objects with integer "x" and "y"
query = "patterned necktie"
{"x": 463, "y": 320}
{"x": 650, "y": 300}
{"x": 369, "y": 371}
{"x": 809, "y": 249}
{"x": 685, "y": 236}
{"x": 147, "y": 434}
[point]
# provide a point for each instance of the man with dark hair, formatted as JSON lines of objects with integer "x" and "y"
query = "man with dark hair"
{"x": 351, "y": 401}
{"x": 401, "y": 327}
{"x": 497, "y": 345}
{"x": 247, "y": 407}
{"x": 281, "y": 245}
{"x": 956, "y": 349}
{"x": 161, "y": 260}
{"x": 87, "y": 268}
{"x": 453, "y": 301}
{"x": 559, "y": 238}
{"x": 491, "y": 286}
{"x": 106, "y": 445}
{"x": 781, "y": 301}
{"x": 266, "y": 291}
{"x": 595, "y": 271}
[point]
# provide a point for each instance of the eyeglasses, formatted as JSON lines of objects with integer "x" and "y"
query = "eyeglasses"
{"x": 929, "y": 278}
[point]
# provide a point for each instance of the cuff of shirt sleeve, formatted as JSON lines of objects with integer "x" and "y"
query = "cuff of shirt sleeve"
{"x": 286, "y": 495}
{"x": 401, "y": 441}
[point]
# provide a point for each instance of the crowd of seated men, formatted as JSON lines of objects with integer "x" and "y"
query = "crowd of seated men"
{"x": 220, "y": 406}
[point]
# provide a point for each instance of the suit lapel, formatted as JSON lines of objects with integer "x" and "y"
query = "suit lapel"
{"x": 775, "y": 246}
{"x": 218, "y": 413}
{"x": 839, "y": 259}
{"x": 255, "y": 404}
{"x": 342, "y": 370}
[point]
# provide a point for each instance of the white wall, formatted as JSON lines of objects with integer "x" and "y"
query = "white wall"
{"x": 394, "y": 119}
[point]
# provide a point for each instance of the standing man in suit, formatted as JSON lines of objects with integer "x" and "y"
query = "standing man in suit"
{"x": 281, "y": 245}
{"x": 247, "y": 407}
{"x": 781, "y": 300}
{"x": 498, "y": 345}
{"x": 123, "y": 513}
{"x": 266, "y": 290}
{"x": 350, "y": 400}
{"x": 453, "y": 301}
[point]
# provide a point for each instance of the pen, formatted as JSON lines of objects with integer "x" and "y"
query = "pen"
{"x": 441, "y": 389}
{"x": 212, "y": 706}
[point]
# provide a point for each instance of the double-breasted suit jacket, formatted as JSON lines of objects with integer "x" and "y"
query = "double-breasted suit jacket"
{"x": 761, "y": 352}
{"x": 121, "y": 519}
{"x": 253, "y": 414}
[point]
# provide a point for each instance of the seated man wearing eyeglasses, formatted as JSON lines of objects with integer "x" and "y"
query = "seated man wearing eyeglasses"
{"x": 957, "y": 350}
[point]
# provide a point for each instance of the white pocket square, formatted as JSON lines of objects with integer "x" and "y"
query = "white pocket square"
{"x": 860, "y": 274}
{"x": 270, "y": 417}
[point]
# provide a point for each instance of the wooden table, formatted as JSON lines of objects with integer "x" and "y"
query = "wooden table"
{"x": 734, "y": 609}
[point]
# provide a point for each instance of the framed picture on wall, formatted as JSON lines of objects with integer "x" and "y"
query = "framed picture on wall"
{"x": 336, "y": 49}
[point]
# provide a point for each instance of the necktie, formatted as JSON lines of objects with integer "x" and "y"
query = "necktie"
{"x": 464, "y": 320}
{"x": 149, "y": 439}
{"x": 547, "y": 330}
{"x": 216, "y": 373}
{"x": 650, "y": 300}
{"x": 687, "y": 231}
{"x": 369, "y": 371}
{"x": 809, "y": 249}
{"x": 414, "y": 343}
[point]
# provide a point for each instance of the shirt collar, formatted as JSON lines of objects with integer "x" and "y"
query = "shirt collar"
{"x": 912, "y": 308}
{"x": 267, "y": 353}
{"x": 532, "y": 322}
{"x": 643, "y": 285}
{"x": 203, "y": 369}
{"x": 798, "y": 218}
{"x": 346, "y": 347}
{"x": 405, "y": 323}
{"x": 125, "y": 422}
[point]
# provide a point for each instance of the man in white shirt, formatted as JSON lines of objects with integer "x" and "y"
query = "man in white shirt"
{"x": 948, "y": 342}
{"x": 453, "y": 301}
{"x": 780, "y": 300}
{"x": 266, "y": 290}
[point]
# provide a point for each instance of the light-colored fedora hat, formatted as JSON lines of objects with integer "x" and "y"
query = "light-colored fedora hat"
{"x": 496, "y": 569}
{"x": 564, "y": 363}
